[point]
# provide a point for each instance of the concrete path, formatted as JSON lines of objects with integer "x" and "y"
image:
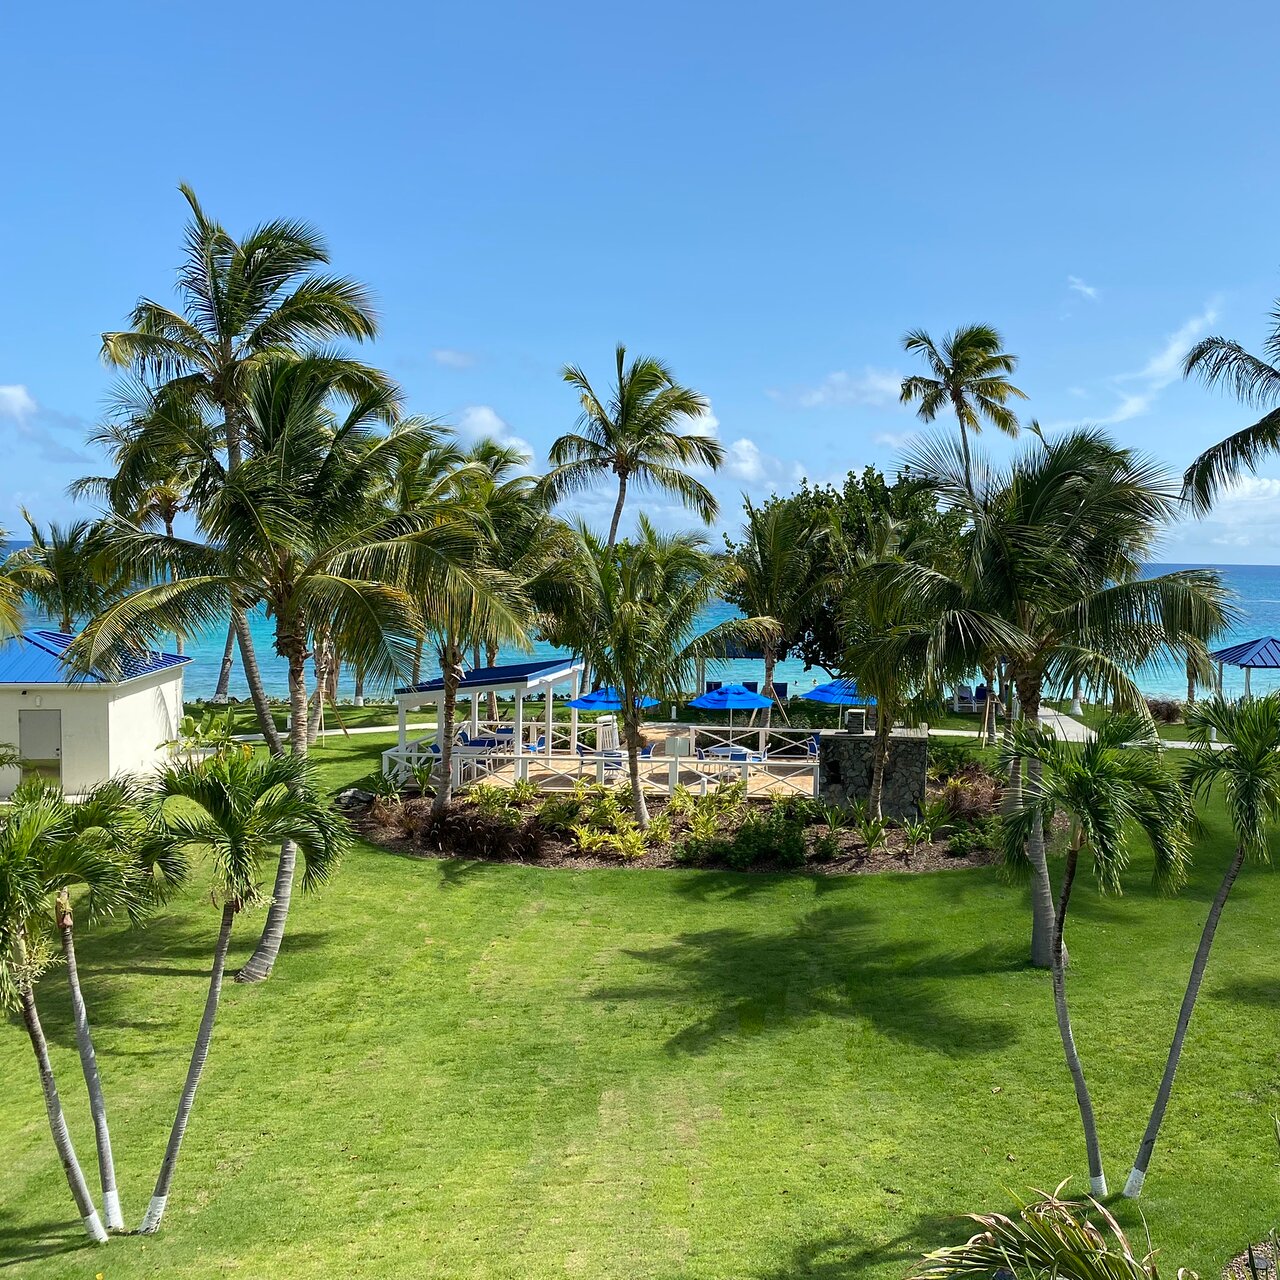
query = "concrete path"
{"x": 1063, "y": 726}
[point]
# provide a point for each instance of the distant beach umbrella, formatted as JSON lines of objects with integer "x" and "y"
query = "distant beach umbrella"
{"x": 839, "y": 693}
{"x": 606, "y": 699}
{"x": 731, "y": 698}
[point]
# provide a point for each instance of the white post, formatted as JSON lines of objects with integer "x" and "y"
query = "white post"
{"x": 573, "y": 711}
{"x": 402, "y": 715}
{"x": 551, "y": 708}
{"x": 519, "y": 733}
{"x": 1247, "y": 672}
{"x": 475, "y": 714}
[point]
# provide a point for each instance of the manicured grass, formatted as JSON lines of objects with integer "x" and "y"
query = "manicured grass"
{"x": 501, "y": 1071}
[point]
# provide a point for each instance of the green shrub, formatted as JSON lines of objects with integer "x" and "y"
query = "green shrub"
{"x": 523, "y": 791}
{"x": 559, "y": 814}
{"x": 766, "y": 837}
{"x": 975, "y": 837}
{"x": 491, "y": 800}
{"x": 826, "y": 847}
{"x": 952, "y": 760}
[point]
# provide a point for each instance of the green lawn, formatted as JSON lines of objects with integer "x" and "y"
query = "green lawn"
{"x": 462, "y": 1070}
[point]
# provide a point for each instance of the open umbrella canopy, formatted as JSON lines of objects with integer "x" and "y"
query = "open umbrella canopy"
{"x": 606, "y": 699}
{"x": 1260, "y": 654}
{"x": 731, "y": 697}
{"x": 839, "y": 693}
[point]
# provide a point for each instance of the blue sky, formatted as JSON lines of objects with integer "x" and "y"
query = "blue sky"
{"x": 767, "y": 196}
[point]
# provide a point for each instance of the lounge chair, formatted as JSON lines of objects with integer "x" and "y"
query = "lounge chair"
{"x": 780, "y": 691}
{"x": 964, "y": 699}
{"x": 751, "y": 686}
{"x": 713, "y": 685}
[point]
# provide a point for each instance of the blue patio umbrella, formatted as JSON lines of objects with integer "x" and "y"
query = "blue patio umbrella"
{"x": 606, "y": 699}
{"x": 839, "y": 693}
{"x": 731, "y": 698}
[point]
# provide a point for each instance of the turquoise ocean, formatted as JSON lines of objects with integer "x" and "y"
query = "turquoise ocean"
{"x": 1257, "y": 588}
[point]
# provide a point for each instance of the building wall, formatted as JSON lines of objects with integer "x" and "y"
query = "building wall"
{"x": 106, "y": 729}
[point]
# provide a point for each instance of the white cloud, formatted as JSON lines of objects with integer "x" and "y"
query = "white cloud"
{"x": 894, "y": 439}
{"x": 870, "y": 387}
{"x": 1077, "y": 285}
{"x": 747, "y": 463}
{"x": 478, "y": 420}
{"x": 16, "y": 402}
{"x": 452, "y": 359}
{"x": 707, "y": 425}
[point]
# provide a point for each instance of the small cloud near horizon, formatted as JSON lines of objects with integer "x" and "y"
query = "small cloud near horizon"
{"x": 875, "y": 387}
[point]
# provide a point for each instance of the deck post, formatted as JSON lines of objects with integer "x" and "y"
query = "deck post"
{"x": 573, "y": 711}
{"x": 551, "y": 706}
{"x": 402, "y": 720}
{"x": 475, "y": 715}
{"x": 518, "y": 736}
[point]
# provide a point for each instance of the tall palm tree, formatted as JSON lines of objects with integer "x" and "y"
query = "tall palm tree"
{"x": 968, "y": 374}
{"x": 773, "y": 555}
{"x": 639, "y": 613}
{"x": 299, "y": 525}
{"x": 235, "y": 810}
{"x": 240, "y": 302}
{"x": 635, "y": 435}
{"x": 1102, "y": 786}
{"x": 18, "y": 576}
{"x": 1238, "y": 751}
{"x": 39, "y": 854}
{"x": 76, "y": 579}
{"x": 1255, "y": 382}
{"x": 1056, "y": 548}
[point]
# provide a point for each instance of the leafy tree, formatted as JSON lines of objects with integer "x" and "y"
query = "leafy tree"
{"x": 1056, "y": 547}
{"x": 642, "y": 600}
{"x": 76, "y": 579}
{"x": 1238, "y": 751}
{"x": 1255, "y": 382}
{"x": 968, "y": 374}
{"x": 234, "y": 810}
{"x": 242, "y": 301}
{"x": 636, "y": 436}
{"x": 18, "y": 576}
{"x": 1103, "y": 786}
{"x": 299, "y": 525}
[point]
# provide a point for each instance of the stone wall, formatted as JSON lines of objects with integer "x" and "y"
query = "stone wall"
{"x": 844, "y": 770}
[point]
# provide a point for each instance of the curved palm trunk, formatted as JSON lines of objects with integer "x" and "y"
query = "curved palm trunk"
{"x": 448, "y": 704}
{"x": 1191, "y": 683}
{"x": 228, "y": 660}
{"x": 57, "y": 1121}
{"x": 253, "y": 675}
{"x": 638, "y": 805}
{"x": 617, "y": 511}
{"x": 769, "y": 691}
{"x": 417, "y": 662}
{"x": 259, "y": 965}
{"x": 989, "y": 707}
{"x": 491, "y": 660}
{"x": 160, "y": 1196}
{"x": 1043, "y": 912}
{"x": 880, "y": 757}
{"x": 1097, "y": 1178}
{"x": 1138, "y": 1174}
{"x": 92, "y": 1080}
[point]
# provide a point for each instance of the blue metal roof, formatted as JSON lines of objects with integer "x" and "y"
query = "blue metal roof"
{"x": 486, "y": 677}
{"x": 1263, "y": 652}
{"x": 36, "y": 658}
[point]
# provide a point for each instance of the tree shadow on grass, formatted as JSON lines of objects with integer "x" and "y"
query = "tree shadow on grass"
{"x": 24, "y": 1242}
{"x": 832, "y": 963}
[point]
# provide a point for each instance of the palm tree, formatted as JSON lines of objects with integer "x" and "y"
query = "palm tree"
{"x": 1056, "y": 548}
{"x": 1102, "y": 786}
{"x": 638, "y": 619}
{"x": 1255, "y": 381}
{"x": 76, "y": 579}
{"x": 636, "y": 436}
{"x": 40, "y": 855}
{"x": 299, "y": 525}
{"x": 774, "y": 559}
{"x": 235, "y": 810}
{"x": 1238, "y": 750}
{"x": 969, "y": 374}
{"x": 18, "y": 576}
{"x": 241, "y": 301}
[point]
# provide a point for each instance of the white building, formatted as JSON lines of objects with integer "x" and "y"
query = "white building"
{"x": 79, "y": 729}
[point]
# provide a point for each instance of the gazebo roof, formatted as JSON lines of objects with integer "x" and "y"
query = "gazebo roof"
{"x": 515, "y": 676}
{"x": 1261, "y": 653}
{"x": 36, "y": 657}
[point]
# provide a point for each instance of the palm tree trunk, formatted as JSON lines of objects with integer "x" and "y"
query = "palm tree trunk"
{"x": 1191, "y": 682}
{"x": 179, "y": 644}
{"x": 1043, "y": 912}
{"x": 417, "y": 662}
{"x": 92, "y": 1080}
{"x": 638, "y": 806}
{"x": 968, "y": 466}
{"x": 228, "y": 658}
{"x": 358, "y": 695}
{"x": 259, "y": 965}
{"x": 880, "y": 757}
{"x": 53, "y": 1107}
{"x": 1097, "y": 1178}
{"x": 1138, "y": 1174}
{"x": 617, "y": 511}
{"x": 160, "y": 1196}
{"x": 450, "y": 658}
{"x": 768, "y": 691}
{"x": 253, "y": 675}
{"x": 491, "y": 660}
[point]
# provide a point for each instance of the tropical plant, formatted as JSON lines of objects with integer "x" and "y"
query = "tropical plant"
{"x": 17, "y": 576}
{"x": 1237, "y": 751}
{"x": 262, "y": 297}
{"x": 1255, "y": 382}
{"x": 641, "y": 604}
{"x": 638, "y": 436}
{"x": 46, "y": 848}
{"x": 236, "y": 811}
{"x": 1056, "y": 547}
{"x": 76, "y": 578}
{"x": 299, "y": 525}
{"x": 968, "y": 374}
{"x": 1103, "y": 786}
{"x": 1048, "y": 1238}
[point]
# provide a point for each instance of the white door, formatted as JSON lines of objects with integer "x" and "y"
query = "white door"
{"x": 40, "y": 744}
